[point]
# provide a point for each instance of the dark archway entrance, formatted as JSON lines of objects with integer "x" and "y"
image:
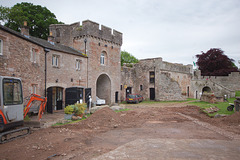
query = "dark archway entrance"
{"x": 103, "y": 89}
{"x": 206, "y": 89}
{"x": 54, "y": 99}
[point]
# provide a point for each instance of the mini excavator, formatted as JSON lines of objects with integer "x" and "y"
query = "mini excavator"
{"x": 12, "y": 113}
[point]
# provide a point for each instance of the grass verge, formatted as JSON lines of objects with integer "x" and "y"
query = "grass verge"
{"x": 221, "y": 105}
{"x": 71, "y": 121}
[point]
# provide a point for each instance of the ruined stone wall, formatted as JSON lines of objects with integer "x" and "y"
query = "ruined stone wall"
{"x": 171, "y": 80}
{"x": 220, "y": 85}
{"x": 169, "y": 89}
{"x": 16, "y": 62}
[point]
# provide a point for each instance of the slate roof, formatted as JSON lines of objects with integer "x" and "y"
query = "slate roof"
{"x": 43, "y": 43}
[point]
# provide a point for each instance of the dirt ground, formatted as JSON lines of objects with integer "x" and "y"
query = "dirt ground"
{"x": 105, "y": 130}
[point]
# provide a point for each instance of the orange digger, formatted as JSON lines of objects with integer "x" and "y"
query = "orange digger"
{"x": 12, "y": 113}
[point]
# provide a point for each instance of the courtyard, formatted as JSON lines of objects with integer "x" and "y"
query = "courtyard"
{"x": 173, "y": 130}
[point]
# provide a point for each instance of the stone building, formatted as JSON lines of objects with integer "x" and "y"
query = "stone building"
{"x": 24, "y": 56}
{"x": 219, "y": 85}
{"x": 156, "y": 79}
{"x": 103, "y": 49}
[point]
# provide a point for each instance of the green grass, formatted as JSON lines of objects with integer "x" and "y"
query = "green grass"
{"x": 122, "y": 110}
{"x": 221, "y": 105}
{"x": 237, "y": 94}
{"x": 154, "y": 102}
{"x": 71, "y": 121}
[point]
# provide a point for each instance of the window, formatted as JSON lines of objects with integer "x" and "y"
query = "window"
{"x": 78, "y": 63}
{"x": 12, "y": 92}
{"x": 33, "y": 56}
{"x": 34, "y": 88}
{"x": 151, "y": 77}
{"x": 141, "y": 87}
{"x": 55, "y": 60}
{"x": 102, "y": 59}
{"x": 1, "y": 47}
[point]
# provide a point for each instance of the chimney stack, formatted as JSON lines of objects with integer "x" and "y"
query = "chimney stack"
{"x": 25, "y": 29}
{"x": 51, "y": 38}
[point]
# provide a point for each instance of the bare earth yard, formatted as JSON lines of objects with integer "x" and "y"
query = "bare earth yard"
{"x": 106, "y": 130}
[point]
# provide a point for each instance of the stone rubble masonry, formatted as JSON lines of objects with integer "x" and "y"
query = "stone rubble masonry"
{"x": 171, "y": 80}
{"x": 220, "y": 85}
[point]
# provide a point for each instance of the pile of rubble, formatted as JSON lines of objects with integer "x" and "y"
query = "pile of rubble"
{"x": 211, "y": 109}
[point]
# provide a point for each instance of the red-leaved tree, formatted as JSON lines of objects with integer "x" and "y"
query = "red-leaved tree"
{"x": 215, "y": 63}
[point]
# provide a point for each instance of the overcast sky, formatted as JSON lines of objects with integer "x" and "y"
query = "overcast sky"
{"x": 175, "y": 30}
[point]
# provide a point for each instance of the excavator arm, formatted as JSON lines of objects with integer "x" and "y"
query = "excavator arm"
{"x": 36, "y": 97}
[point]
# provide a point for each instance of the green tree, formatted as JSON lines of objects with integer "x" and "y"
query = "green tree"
{"x": 127, "y": 58}
{"x": 38, "y": 18}
{"x": 215, "y": 63}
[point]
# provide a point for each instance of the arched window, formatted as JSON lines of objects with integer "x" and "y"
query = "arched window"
{"x": 102, "y": 59}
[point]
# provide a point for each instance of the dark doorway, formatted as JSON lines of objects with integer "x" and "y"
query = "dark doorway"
{"x": 206, "y": 89}
{"x": 188, "y": 91}
{"x": 128, "y": 91}
{"x": 72, "y": 95}
{"x": 59, "y": 98}
{"x": 152, "y": 93}
{"x": 54, "y": 99}
{"x": 87, "y": 94}
{"x": 116, "y": 97}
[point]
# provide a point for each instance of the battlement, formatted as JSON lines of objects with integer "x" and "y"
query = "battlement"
{"x": 90, "y": 28}
{"x": 64, "y": 33}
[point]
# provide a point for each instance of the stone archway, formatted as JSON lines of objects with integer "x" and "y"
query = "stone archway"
{"x": 103, "y": 88}
{"x": 206, "y": 89}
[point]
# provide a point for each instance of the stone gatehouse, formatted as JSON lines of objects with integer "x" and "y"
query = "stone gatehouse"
{"x": 103, "y": 49}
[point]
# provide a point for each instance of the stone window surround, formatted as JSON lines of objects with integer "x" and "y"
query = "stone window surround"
{"x": 33, "y": 55}
{"x": 102, "y": 58}
{"x": 78, "y": 64}
{"x": 55, "y": 60}
{"x": 34, "y": 88}
{"x": 1, "y": 47}
{"x": 151, "y": 76}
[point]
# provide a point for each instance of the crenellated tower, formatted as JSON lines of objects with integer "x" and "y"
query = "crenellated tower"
{"x": 103, "y": 48}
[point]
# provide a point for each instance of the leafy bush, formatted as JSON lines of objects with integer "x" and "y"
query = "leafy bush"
{"x": 79, "y": 108}
{"x": 237, "y": 94}
{"x": 69, "y": 109}
{"x": 76, "y": 109}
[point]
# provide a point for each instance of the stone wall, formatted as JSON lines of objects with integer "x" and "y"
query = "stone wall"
{"x": 103, "y": 40}
{"x": 172, "y": 81}
{"x": 16, "y": 62}
{"x": 220, "y": 85}
{"x": 65, "y": 34}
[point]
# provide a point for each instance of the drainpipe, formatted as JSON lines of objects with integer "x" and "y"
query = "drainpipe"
{"x": 85, "y": 41}
{"x": 45, "y": 70}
